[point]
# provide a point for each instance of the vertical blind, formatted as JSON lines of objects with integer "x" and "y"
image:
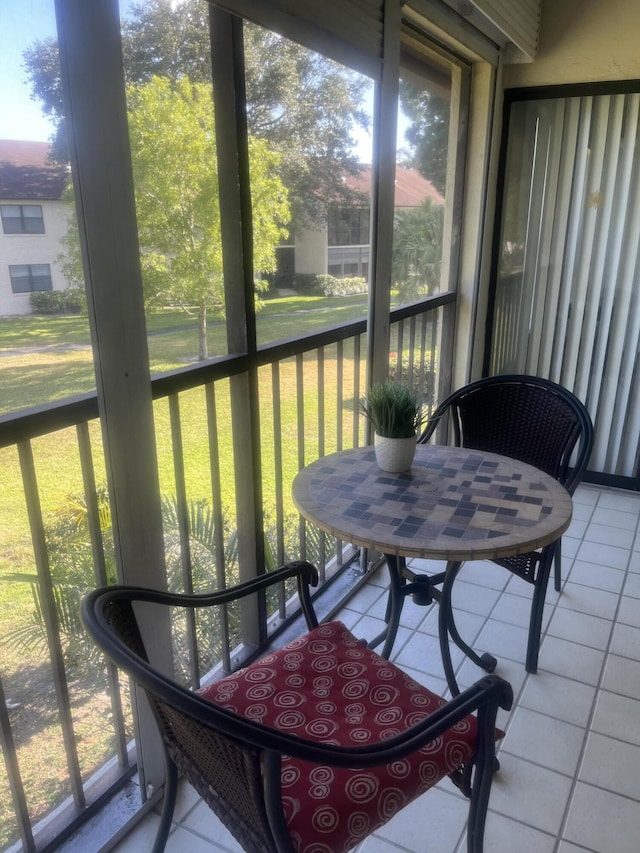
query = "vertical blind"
{"x": 567, "y": 298}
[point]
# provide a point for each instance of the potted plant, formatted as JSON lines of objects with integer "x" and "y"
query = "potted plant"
{"x": 396, "y": 413}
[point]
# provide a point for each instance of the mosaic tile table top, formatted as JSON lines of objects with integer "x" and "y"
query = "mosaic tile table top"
{"x": 453, "y": 503}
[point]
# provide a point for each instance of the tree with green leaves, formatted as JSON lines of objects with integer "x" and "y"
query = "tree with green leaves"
{"x": 417, "y": 249}
{"x": 173, "y": 152}
{"x": 172, "y": 137}
{"x": 304, "y": 105}
{"x": 427, "y": 134}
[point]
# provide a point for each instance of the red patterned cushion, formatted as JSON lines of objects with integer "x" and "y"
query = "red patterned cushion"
{"x": 329, "y": 687}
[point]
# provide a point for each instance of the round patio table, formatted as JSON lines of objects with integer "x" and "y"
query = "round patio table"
{"x": 453, "y": 504}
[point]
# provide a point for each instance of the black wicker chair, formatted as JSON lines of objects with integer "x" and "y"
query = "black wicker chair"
{"x": 313, "y": 746}
{"x": 536, "y": 421}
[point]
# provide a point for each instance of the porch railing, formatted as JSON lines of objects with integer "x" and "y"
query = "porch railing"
{"x": 64, "y": 700}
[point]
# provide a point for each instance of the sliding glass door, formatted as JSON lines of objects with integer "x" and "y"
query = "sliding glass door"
{"x": 567, "y": 305}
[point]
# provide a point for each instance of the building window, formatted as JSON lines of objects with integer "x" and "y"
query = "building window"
{"x": 26, "y": 278}
{"x": 22, "y": 218}
{"x": 348, "y": 226}
{"x": 349, "y": 262}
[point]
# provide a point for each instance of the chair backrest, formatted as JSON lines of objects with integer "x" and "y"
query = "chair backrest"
{"x": 528, "y": 418}
{"x": 224, "y": 770}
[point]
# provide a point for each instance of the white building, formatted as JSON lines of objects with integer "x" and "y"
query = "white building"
{"x": 34, "y": 219}
{"x": 341, "y": 248}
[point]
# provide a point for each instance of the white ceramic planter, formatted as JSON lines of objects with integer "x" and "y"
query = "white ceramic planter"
{"x": 394, "y": 454}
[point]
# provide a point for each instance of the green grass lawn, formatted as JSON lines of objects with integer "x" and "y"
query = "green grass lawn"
{"x": 43, "y": 359}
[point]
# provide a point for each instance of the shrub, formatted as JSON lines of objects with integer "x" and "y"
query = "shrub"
{"x": 71, "y": 301}
{"x": 307, "y": 284}
{"x": 331, "y": 286}
{"x": 72, "y": 571}
{"x": 304, "y": 283}
{"x": 71, "y": 561}
{"x": 310, "y": 284}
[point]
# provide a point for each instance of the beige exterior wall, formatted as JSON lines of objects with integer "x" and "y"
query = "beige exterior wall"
{"x": 32, "y": 249}
{"x": 311, "y": 251}
{"x": 582, "y": 41}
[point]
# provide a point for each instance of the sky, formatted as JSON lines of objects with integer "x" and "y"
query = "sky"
{"x": 21, "y": 23}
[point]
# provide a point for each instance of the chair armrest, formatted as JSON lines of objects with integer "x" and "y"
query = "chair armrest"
{"x": 305, "y": 573}
{"x": 96, "y": 604}
{"x": 486, "y": 696}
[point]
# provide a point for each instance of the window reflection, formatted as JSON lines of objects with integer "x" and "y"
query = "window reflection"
{"x": 316, "y": 119}
{"x": 421, "y": 179}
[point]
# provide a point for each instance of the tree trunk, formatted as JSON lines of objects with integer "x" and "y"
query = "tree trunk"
{"x": 203, "y": 347}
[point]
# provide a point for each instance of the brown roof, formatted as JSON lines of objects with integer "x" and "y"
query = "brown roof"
{"x": 411, "y": 188}
{"x": 26, "y": 173}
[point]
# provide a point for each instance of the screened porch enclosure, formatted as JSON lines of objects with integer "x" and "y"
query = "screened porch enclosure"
{"x": 195, "y": 460}
{"x": 181, "y": 473}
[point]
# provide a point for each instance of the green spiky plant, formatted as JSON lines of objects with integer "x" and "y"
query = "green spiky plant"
{"x": 72, "y": 575}
{"x": 394, "y": 409}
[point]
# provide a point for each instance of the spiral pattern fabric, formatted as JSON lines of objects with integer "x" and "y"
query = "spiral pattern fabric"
{"x": 329, "y": 687}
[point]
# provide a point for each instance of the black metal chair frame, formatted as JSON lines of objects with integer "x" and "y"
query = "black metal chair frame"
{"x": 573, "y": 441}
{"x": 234, "y": 763}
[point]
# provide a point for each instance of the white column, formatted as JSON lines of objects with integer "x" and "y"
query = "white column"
{"x": 93, "y": 80}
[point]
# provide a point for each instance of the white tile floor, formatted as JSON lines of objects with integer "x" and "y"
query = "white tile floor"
{"x": 569, "y": 778}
